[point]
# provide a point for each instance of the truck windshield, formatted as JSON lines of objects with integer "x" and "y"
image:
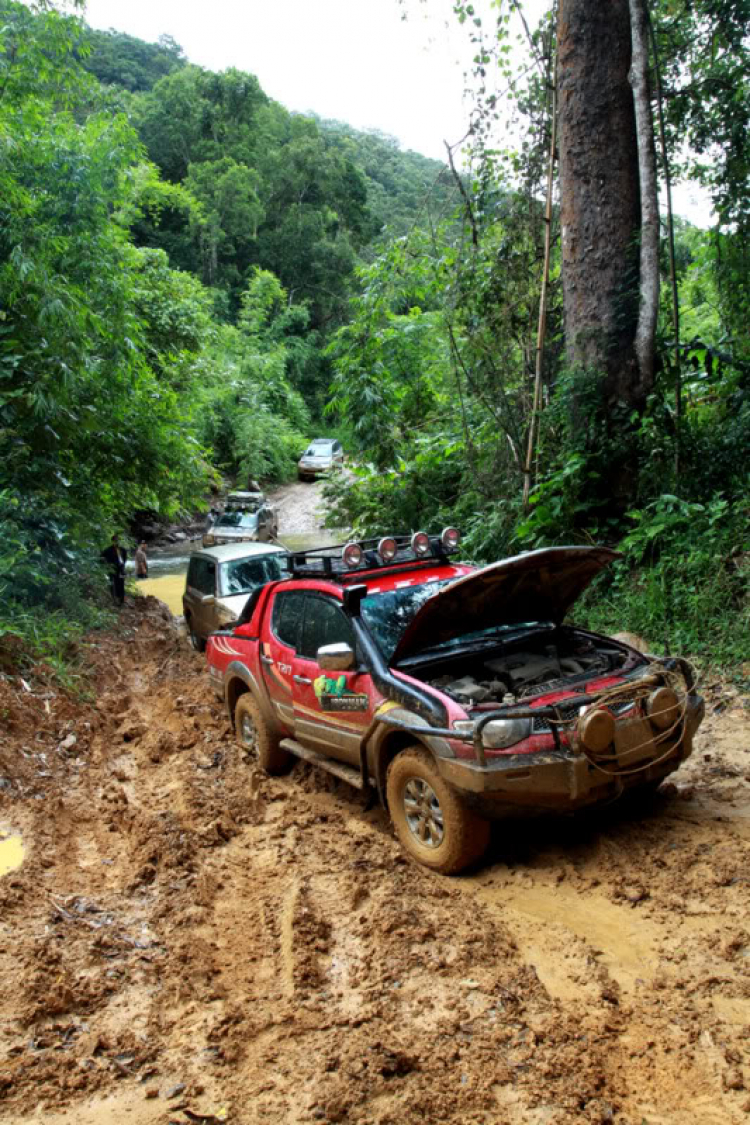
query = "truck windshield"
{"x": 388, "y": 615}
{"x": 237, "y": 518}
{"x": 242, "y": 576}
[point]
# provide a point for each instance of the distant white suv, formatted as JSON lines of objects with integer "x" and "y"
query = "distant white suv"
{"x": 320, "y": 456}
{"x": 220, "y": 580}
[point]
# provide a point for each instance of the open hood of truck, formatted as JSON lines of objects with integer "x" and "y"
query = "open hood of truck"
{"x": 536, "y": 586}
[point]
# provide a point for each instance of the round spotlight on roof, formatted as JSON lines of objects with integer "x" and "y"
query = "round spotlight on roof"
{"x": 387, "y": 549}
{"x": 352, "y": 555}
{"x": 420, "y": 544}
{"x": 449, "y": 538}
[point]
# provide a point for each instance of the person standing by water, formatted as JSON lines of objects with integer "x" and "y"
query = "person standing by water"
{"x": 115, "y": 557}
{"x": 141, "y": 562}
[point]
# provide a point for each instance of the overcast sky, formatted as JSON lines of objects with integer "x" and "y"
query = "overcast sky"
{"x": 357, "y": 61}
{"x": 354, "y": 60}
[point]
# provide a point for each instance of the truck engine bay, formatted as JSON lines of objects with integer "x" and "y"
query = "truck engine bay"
{"x": 530, "y": 666}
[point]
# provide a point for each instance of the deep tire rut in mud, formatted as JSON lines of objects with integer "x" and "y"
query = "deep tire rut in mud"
{"x": 188, "y": 939}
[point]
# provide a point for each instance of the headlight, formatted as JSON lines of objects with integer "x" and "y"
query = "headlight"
{"x": 208, "y": 540}
{"x": 500, "y": 733}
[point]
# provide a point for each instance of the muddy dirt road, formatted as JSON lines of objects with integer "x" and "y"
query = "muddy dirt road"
{"x": 189, "y": 941}
{"x": 301, "y": 507}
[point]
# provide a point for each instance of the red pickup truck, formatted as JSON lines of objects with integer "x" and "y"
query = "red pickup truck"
{"x": 454, "y": 693}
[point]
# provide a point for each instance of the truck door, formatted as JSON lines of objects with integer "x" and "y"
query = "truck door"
{"x": 278, "y": 650}
{"x": 201, "y": 583}
{"x": 332, "y": 710}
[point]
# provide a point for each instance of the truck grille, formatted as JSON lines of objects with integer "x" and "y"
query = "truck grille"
{"x": 569, "y": 714}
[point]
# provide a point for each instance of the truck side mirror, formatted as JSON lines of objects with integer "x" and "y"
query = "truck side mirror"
{"x": 335, "y": 658}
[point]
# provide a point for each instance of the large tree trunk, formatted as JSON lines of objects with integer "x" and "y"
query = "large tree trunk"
{"x": 649, "y": 308}
{"x": 600, "y": 200}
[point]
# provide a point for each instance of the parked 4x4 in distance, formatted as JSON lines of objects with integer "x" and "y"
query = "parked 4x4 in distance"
{"x": 456, "y": 694}
{"x": 247, "y": 517}
{"x": 320, "y": 456}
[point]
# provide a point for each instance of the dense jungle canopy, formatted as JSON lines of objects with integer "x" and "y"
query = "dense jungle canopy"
{"x": 193, "y": 280}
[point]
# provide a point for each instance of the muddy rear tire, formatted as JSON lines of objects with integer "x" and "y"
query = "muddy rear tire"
{"x": 433, "y": 824}
{"x": 256, "y": 737}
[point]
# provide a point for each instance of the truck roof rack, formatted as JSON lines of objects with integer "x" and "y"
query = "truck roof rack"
{"x": 346, "y": 562}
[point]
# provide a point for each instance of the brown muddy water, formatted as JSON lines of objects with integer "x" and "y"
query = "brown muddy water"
{"x": 11, "y": 852}
{"x": 167, "y": 569}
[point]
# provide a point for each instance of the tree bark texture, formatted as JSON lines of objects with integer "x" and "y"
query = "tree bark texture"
{"x": 600, "y": 210}
{"x": 649, "y": 271}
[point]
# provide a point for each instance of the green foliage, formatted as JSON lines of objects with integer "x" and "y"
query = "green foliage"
{"x": 699, "y": 299}
{"x": 90, "y": 424}
{"x": 416, "y": 495}
{"x": 393, "y": 389}
{"x": 274, "y": 192}
{"x": 684, "y": 580}
{"x": 176, "y": 317}
{"x": 228, "y": 192}
{"x": 431, "y": 375}
{"x": 403, "y": 188}
{"x": 122, "y": 60}
{"x": 250, "y": 186}
{"x": 705, "y": 50}
{"x": 51, "y": 588}
{"x": 36, "y": 47}
{"x": 250, "y": 414}
{"x": 164, "y": 216}
{"x": 77, "y": 397}
{"x": 192, "y": 116}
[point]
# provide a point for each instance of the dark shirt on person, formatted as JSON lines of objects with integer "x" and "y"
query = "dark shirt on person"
{"x": 116, "y": 557}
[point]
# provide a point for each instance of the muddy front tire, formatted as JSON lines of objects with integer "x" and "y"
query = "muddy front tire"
{"x": 256, "y": 737}
{"x": 433, "y": 824}
{"x": 198, "y": 642}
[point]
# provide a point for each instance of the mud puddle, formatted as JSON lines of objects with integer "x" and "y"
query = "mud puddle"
{"x": 168, "y": 588}
{"x": 548, "y": 920}
{"x": 12, "y": 851}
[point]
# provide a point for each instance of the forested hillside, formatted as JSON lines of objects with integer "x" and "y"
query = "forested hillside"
{"x": 193, "y": 279}
{"x": 176, "y": 251}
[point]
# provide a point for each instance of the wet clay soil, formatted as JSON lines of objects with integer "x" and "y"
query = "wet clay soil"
{"x": 188, "y": 940}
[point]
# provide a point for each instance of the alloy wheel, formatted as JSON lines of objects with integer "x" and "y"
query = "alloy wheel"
{"x": 249, "y": 735}
{"x": 423, "y": 813}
